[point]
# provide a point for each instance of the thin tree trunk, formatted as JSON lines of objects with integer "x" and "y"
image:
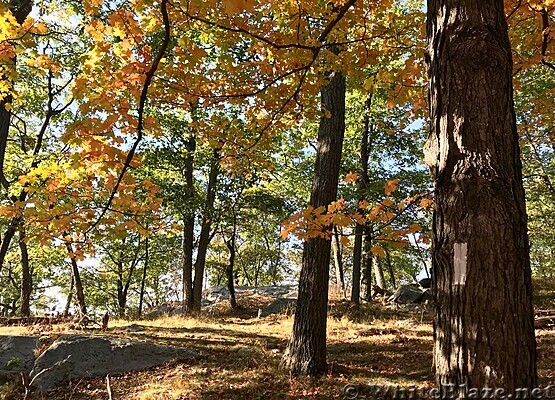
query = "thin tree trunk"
{"x": 79, "y": 292}
{"x": 205, "y": 237}
{"x": 378, "y": 274}
{"x": 69, "y": 297}
{"x": 188, "y": 226}
{"x": 143, "y": 277}
{"x": 307, "y": 349}
{"x": 338, "y": 261}
{"x": 484, "y": 323}
{"x": 20, "y": 10}
{"x": 390, "y": 270}
{"x": 367, "y": 266}
{"x": 357, "y": 260}
{"x": 26, "y": 276}
{"x": 231, "y": 265}
{"x": 121, "y": 294}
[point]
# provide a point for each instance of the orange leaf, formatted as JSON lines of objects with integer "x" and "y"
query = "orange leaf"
{"x": 391, "y": 186}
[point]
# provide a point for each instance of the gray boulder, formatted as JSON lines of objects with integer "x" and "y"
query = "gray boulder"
{"x": 277, "y": 306}
{"x": 17, "y": 354}
{"x": 408, "y": 294}
{"x": 77, "y": 356}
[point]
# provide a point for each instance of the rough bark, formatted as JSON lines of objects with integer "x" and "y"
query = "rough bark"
{"x": 483, "y": 329}
{"x": 205, "y": 234}
{"x": 307, "y": 348}
{"x": 26, "y": 276}
{"x": 188, "y": 243}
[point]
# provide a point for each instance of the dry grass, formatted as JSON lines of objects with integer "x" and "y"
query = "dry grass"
{"x": 240, "y": 356}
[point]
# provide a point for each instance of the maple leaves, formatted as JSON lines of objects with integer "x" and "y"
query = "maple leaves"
{"x": 319, "y": 222}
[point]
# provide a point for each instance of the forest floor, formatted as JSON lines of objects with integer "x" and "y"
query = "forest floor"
{"x": 240, "y": 355}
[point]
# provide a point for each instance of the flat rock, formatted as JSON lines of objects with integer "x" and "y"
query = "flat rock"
{"x": 17, "y": 354}
{"x": 277, "y": 306}
{"x": 78, "y": 356}
{"x": 408, "y": 294}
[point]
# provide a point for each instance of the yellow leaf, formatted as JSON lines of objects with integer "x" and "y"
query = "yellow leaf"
{"x": 344, "y": 240}
{"x": 415, "y": 228}
{"x": 378, "y": 251}
{"x": 387, "y": 202}
{"x": 391, "y": 186}
{"x": 425, "y": 203}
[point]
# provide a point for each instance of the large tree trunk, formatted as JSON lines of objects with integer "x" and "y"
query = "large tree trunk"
{"x": 484, "y": 326}
{"x": 205, "y": 234}
{"x": 26, "y": 276}
{"x": 188, "y": 226}
{"x": 307, "y": 348}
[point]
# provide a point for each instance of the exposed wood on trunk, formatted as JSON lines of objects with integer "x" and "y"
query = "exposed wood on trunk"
{"x": 484, "y": 324}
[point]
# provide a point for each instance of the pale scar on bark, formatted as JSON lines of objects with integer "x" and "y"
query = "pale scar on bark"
{"x": 460, "y": 250}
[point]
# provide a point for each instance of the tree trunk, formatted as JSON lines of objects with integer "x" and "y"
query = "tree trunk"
{"x": 484, "y": 324}
{"x": 307, "y": 348}
{"x": 26, "y": 276}
{"x": 143, "y": 278}
{"x": 204, "y": 238}
{"x": 188, "y": 226}
{"x": 378, "y": 274}
{"x": 69, "y": 297}
{"x": 357, "y": 258}
{"x": 122, "y": 300}
{"x": 363, "y": 180}
{"x": 20, "y": 10}
{"x": 390, "y": 270}
{"x": 367, "y": 266}
{"x": 80, "y": 294}
{"x": 231, "y": 265}
{"x": 338, "y": 262}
